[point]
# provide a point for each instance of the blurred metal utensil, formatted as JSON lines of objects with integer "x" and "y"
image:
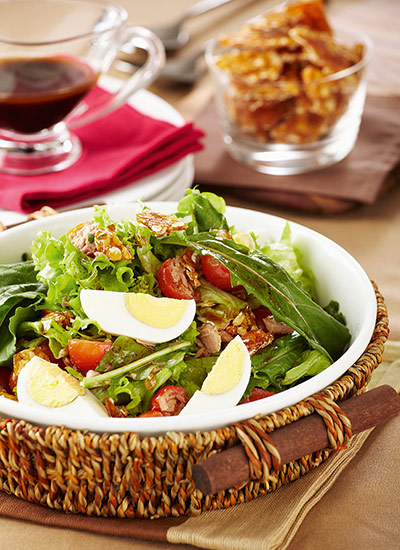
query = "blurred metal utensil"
{"x": 172, "y": 36}
{"x": 184, "y": 70}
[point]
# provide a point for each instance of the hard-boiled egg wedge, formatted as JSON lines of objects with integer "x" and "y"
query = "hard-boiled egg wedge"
{"x": 226, "y": 383}
{"x": 140, "y": 316}
{"x": 45, "y": 386}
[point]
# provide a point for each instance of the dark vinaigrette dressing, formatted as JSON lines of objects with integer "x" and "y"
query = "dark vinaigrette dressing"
{"x": 37, "y": 93}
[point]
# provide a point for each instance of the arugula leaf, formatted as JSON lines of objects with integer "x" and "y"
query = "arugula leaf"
{"x": 274, "y": 288}
{"x": 333, "y": 309}
{"x": 128, "y": 385}
{"x": 123, "y": 351}
{"x": 106, "y": 377}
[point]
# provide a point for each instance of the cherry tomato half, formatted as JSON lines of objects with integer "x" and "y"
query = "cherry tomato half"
{"x": 4, "y": 379}
{"x": 86, "y": 354}
{"x": 169, "y": 400}
{"x": 256, "y": 394}
{"x": 216, "y": 273}
{"x": 170, "y": 285}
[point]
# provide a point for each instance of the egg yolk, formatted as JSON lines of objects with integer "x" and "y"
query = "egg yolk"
{"x": 155, "y": 312}
{"x": 50, "y": 386}
{"x": 227, "y": 371}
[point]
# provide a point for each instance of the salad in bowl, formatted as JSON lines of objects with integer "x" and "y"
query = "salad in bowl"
{"x": 173, "y": 316}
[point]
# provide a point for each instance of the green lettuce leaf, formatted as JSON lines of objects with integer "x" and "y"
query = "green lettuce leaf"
{"x": 56, "y": 334}
{"x": 290, "y": 258}
{"x": 271, "y": 364}
{"x": 205, "y": 209}
{"x": 20, "y": 295}
{"x": 66, "y": 270}
{"x": 192, "y": 373}
{"x": 134, "y": 384}
{"x": 310, "y": 363}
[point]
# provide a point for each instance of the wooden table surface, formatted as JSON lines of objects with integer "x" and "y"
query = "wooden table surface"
{"x": 370, "y": 233}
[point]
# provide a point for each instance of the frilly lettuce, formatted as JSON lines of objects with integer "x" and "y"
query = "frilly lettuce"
{"x": 66, "y": 270}
{"x": 290, "y": 258}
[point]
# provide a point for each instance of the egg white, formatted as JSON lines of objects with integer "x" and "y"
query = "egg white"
{"x": 108, "y": 309}
{"x": 86, "y": 405}
{"x": 202, "y": 402}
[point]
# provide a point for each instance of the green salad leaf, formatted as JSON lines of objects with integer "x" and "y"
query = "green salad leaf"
{"x": 194, "y": 372}
{"x": 290, "y": 258}
{"x": 284, "y": 362}
{"x": 18, "y": 273}
{"x": 205, "y": 209}
{"x": 20, "y": 294}
{"x": 123, "y": 351}
{"x": 136, "y": 394}
{"x": 271, "y": 364}
{"x": 66, "y": 270}
{"x": 106, "y": 377}
{"x": 310, "y": 363}
{"x": 216, "y": 305}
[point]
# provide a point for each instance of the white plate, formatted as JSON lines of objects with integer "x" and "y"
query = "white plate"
{"x": 150, "y": 187}
{"x": 338, "y": 277}
{"x": 176, "y": 189}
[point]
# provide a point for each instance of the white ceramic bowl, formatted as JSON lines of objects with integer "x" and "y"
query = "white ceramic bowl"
{"x": 338, "y": 277}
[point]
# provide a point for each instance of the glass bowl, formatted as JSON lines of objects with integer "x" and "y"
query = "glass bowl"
{"x": 279, "y": 123}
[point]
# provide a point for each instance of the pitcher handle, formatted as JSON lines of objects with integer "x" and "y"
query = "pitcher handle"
{"x": 143, "y": 77}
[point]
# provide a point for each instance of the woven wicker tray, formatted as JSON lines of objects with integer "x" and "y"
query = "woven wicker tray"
{"x": 125, "y": 475}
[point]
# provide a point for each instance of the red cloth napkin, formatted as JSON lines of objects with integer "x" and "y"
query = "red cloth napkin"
{"x": 118, "y": 149}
